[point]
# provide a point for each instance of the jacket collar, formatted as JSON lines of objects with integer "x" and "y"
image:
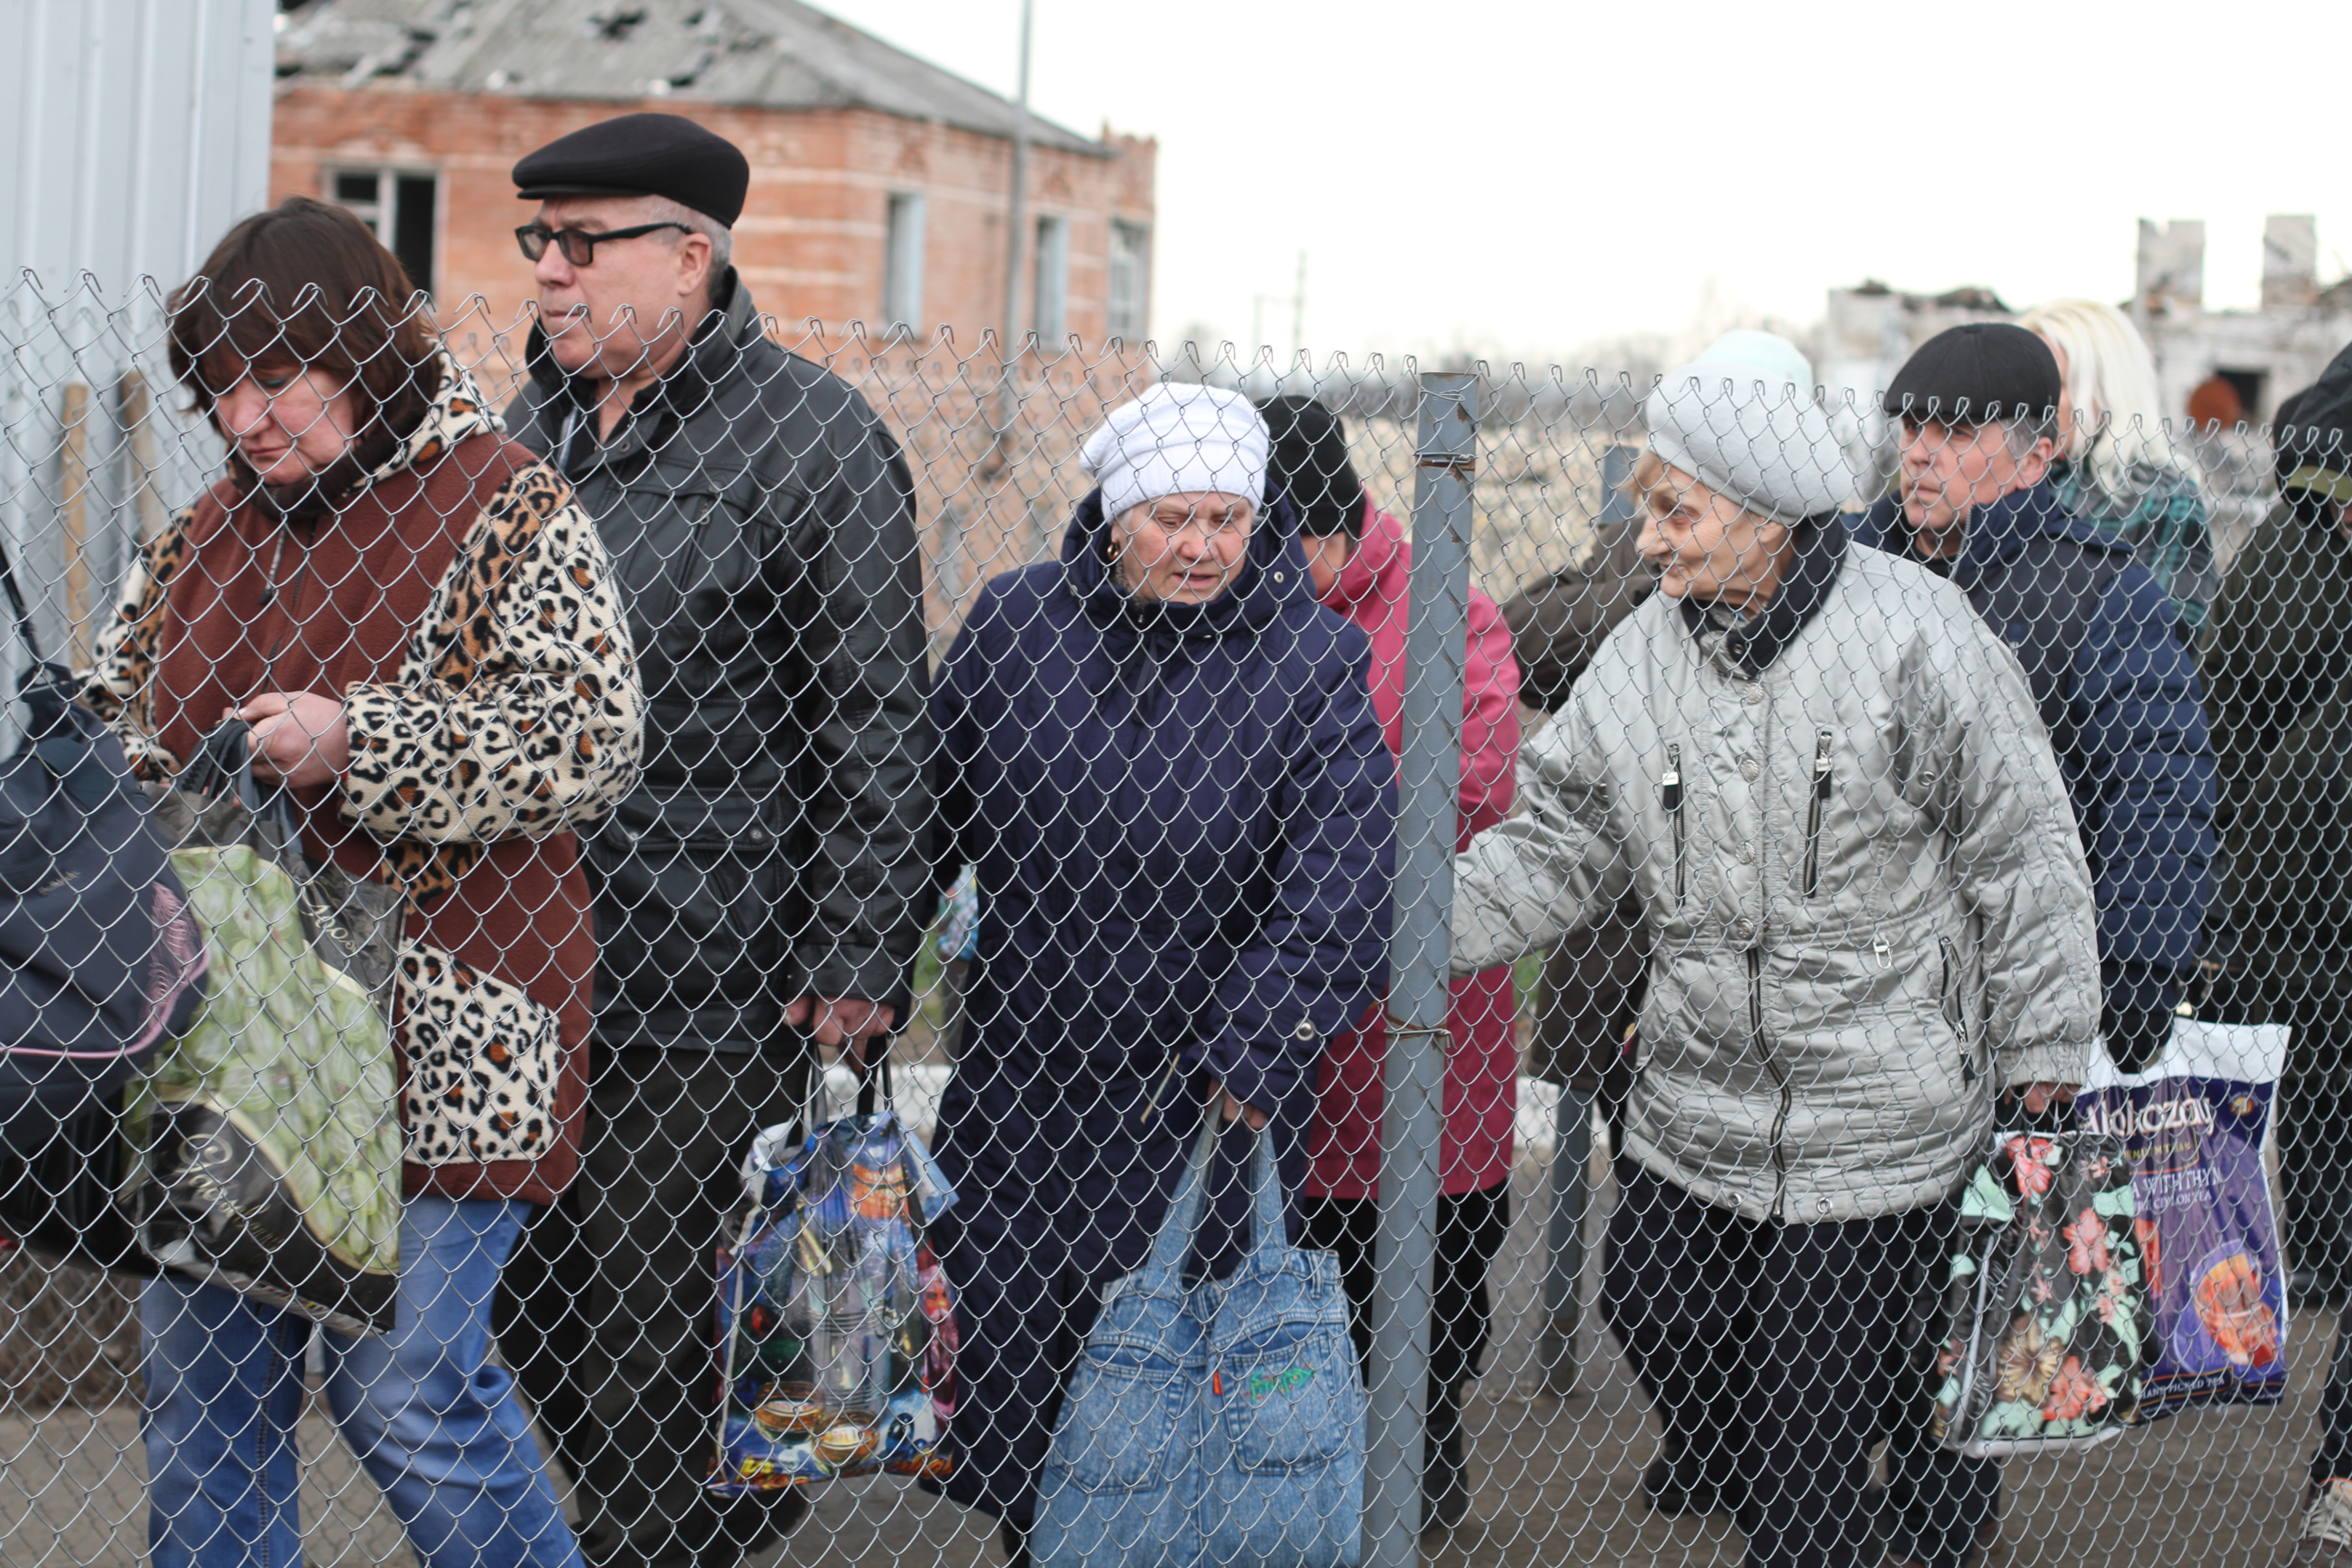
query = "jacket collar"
{"x": 711, "y": 356}
{"x": 1993, "y": 536}
{"x": 1752, "y": 642}
{"x": 1273, "y": 577}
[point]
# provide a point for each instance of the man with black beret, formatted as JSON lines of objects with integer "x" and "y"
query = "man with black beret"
{"x": 2277, "y": 660}
{"x": 2110, "y": 670}
{"x": 763, "y": 885}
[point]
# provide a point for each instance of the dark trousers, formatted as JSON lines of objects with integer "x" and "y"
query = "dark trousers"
{"x": 1471, "y": 1229}
{"x": 1766, "y": 1352}
{"x": 606, "y": 1310}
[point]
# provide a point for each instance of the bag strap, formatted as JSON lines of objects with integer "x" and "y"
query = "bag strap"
{"x": 1266, "y": 1195}
{"x": 1175, "y": 1237}
{"x": 17, "y": 607}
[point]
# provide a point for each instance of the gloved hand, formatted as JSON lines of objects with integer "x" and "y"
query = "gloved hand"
{"x": 2136, "y": 1011}
{"x": 2136, "y": 1036}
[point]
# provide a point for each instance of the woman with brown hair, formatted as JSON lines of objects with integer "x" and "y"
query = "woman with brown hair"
{"x": 421, "y": 629}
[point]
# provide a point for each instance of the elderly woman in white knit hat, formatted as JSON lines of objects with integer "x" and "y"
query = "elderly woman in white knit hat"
{"x": 1161, "y": 756}
{"x": 1823, "y": 779}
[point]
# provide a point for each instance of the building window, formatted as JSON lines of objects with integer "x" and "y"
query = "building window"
{"x": 1130, "y": 264}
{"x": 1050, "y": 310}
{"x": 400, "y": 204}
{"x": 902, "y": 264}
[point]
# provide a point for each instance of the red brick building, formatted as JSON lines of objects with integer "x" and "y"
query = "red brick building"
{"x": 879, "y": 182}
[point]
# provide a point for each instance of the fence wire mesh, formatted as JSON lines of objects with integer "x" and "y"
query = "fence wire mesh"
{"x": 843, "y": 675}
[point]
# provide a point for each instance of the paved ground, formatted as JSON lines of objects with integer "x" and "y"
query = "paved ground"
{"x": 1555, "y": 1480}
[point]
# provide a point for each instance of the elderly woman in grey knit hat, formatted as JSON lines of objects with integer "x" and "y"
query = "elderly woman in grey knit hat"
{"x": 1825, "y": 783}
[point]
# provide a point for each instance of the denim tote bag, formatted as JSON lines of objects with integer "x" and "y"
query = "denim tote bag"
{"x": 1215, "y": 1425}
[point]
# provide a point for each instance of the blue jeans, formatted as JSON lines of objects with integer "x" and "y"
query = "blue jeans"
{"x": 431, "y": 1420}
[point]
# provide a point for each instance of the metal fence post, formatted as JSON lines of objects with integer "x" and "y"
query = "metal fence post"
{"x": 1572, "y": 1200}
{"x": 1413, "y": 1077}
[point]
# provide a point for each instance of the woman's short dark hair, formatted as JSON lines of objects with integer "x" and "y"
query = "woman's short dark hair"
{"x": 307, "y": 286}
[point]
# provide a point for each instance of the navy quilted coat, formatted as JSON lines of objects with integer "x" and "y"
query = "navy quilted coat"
{"x": 1184, "y": 819}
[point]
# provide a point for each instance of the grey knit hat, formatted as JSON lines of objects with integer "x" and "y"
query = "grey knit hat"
{"x": 1742, "y": 420}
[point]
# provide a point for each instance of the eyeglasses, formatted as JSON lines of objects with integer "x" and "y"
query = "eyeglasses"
{"x": 579, "y": 245}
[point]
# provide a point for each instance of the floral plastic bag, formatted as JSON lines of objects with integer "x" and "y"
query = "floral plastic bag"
{"x": 836, "y": 1327}
{"x": 2050, "y": 1321}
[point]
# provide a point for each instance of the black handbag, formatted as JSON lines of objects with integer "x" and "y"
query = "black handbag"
{"x": 100, "y": 960}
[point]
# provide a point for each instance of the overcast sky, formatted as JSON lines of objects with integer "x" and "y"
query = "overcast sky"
{"x": 1537, "y": 176}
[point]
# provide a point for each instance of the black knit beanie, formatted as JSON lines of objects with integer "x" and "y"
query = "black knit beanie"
{"x": 2312, "y": 436}
{"x": 1309, "y": 461}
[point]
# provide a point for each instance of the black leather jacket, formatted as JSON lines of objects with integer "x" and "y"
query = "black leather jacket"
{"x": 761, "y": 521}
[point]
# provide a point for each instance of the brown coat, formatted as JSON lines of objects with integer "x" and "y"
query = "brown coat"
{"x": 1592, "y": 982}
{"x": 462, "y": 608}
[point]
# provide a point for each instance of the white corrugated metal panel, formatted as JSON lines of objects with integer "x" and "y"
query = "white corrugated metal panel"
{"x": 139, "y": 130}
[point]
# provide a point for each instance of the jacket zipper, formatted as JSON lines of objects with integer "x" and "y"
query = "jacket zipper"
{"x": 1672, "y": 799}
{"x": 1779, "y": 1083}
{"x": 1813, "y": 814}
{"x": 1955, "y": 1013}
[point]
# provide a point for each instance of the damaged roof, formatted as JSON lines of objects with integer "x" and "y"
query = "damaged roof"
{"x": 764, "y": 54}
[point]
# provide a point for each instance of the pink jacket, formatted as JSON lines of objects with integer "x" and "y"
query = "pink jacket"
{"x": 1482, "y": 1068}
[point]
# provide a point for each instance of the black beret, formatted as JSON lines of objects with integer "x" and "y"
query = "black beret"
{"x": 642, "y": 155}
{"x": 1309, "y": 461}
{"x": 1978, "y": 373}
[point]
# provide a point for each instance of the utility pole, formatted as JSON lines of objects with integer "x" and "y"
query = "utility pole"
{"x": 1016, "y": 215}
{"x": 1008, "y": 351}
{"x": 1298, "y": 311}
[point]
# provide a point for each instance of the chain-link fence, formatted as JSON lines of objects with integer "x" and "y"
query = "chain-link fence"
{"x": 630, "y": 748}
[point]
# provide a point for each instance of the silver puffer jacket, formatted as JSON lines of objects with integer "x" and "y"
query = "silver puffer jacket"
{"x": 1870, "y": 908}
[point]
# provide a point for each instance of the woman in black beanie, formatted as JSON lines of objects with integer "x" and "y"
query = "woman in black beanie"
{"x": 1360, "y": 559}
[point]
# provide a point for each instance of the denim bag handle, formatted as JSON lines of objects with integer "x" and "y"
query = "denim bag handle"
{"x": 1185, "y": 1208}
{"x": 1175, "y": 1237}
{"x": 1266, "y": 1195}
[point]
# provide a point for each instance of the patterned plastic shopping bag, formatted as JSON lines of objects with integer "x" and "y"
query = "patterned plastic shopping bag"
{"x": 1215, "y": 1425}
{"x": 2050, "y": 1324}
{"x": 836, "y": 1327}
{"x": 2195, "y": 1125}
{"x": 265, "y": 1142}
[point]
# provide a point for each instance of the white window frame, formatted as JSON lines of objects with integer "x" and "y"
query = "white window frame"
{"x": 902, "y": 262}
{"x": 1049, "y": 303}
{"x": 1130, "y": 281}
{"x": 382, "y": 214}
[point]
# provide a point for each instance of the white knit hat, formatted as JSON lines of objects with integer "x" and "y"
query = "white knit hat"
{"x": 1741, "y": 419}
{"x": 1176, "y": 438}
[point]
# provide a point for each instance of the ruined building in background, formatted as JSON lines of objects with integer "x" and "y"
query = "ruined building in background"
{"x": 2221, "y": 372}
{"x": 880, "y": 182}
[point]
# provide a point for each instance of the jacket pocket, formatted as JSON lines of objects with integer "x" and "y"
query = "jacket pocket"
{"x": 689, "y": 920}
{"x": 1117, "y": 1428}
{"x": 484, "y": 1061}
{"x": 1814, "y": 811}
{"x": 1285, "y": 1403}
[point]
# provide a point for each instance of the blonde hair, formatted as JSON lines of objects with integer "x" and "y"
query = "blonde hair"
{"x": 2111, "y": 380}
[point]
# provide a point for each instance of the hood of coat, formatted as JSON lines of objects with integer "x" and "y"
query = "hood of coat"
{"x": 1378, "y": 568}
{"x": 457, "y": 413}
{"x": 1272, "y": 578}
{"x": 1995, "y": 533}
